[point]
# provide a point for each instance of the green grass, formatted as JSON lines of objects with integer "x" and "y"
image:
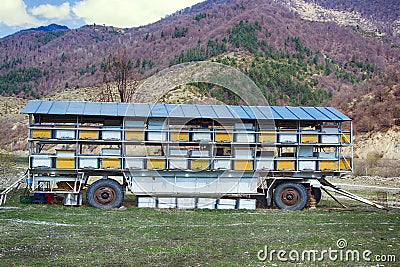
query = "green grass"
{"x": 84, "y": 236}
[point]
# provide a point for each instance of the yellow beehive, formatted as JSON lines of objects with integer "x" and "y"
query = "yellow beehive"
{"x": 328, "y": 165}
{"x": 283, "y": 164}
{"x": 346, "y": 138}
{"x": 111, "y": 163}
{"x": 41, "y": 133}
{"x": 199, "y": 164}
{"x": 154, "y": 163}
{"x": 309, "y": 138}
{"x": 88, "y": 134}
{"x": 65, "y": 163}
{"x": 345, "y": 164}
{"x": 134, "y": 134}
{"x": 244, "y": 165}
{"x": 267, "y": 136}
{"x": 223, "y": 136}
{"x": 179, "y": 136}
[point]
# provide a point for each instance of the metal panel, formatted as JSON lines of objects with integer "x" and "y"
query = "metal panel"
{"x": 206, "y": 111}
{"x": 158, "y": 110}
{"x": 175, "y": 111}
{"x": 184, "y": 111}
{"x": 268, "y": 113}
{"x": 249, "y": 111}
{"x": 59, "y": 108}
{"x": 141, "y": 110}
{"x": 337, "y": 113}
{"x": 44, "y": 107}
{"x": 222, "y": 112}
{"x": 31, "y": 107}
{"x": 92, "y": 108}
{"x": 109, "y": 109}
{"x": 285, "y": 113}
{"x": 300, "y": 114}
{"x": 76, "y": 108}
{"x": 316, "y": 114}
{"x": 190, "y": 111}
{"x": 239, "y": 112}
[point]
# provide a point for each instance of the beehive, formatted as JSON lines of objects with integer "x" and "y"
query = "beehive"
{"x": 267, "y": 136}
{"x": 243, "y": 165}
{"x": 345, "y": 164}
{"x": 111, "y": 163}
{"x": 88, "y": 133}
{"x": 199, "y": 164}
{"x": 41, "y": 133}
{"x": 328, "y": 165}
{"x": 179, "y": 136}
{"x": 156, "y": 163}
{"x": 134, "y": 134}
{"x": 223, "y": 136}
{"x": 346, "y": 138}
{"x": 284, "y": 164}
{"x": 309, "y": 137}
{"x": 287, "y": 136}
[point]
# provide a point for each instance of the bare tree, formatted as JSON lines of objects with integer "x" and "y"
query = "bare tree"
{"x": 118, "y": 69}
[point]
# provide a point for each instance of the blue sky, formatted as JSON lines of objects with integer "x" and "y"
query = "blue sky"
{"x": 16, "y": 15}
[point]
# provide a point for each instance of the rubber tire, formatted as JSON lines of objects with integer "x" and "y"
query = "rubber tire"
{"x": 301, "y": 190}
{"x": 317, "y": 194}
{"x": 110, "y": 183}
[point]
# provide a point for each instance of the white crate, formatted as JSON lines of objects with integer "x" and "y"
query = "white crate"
{"x": 329, "y": 139}
{"x": 181, "y": 164}
{"x": 222, "y": 164}
{"x": 111, "y": 133}
{"x": 307, "y": 165}
{"x": 134, "y": 163}
{"x": 134, "y": 124}
{"x": 226, "y": 204}
{"x": 200, "y": 153}
{"x": 156, "y": 136}
{"x": 88, "y": 162}
{"x": 146, "y": 202}
{"x": 247, "y": 204}
{"x": 245, "y": 137}
{"x": 306, "y": 151}
{"x": 111, "y": 152}
{"x": 201, "y": 135}
{"x": 178, "y": 152}
{"x": 41, "y": 161}
{"x": 264, "y": 164}
{"x": 186, "y": 203}
{"x": 287, "y": 137}
{"x": 206, "y": 203}
{"x": 65, "y": 134}
{"x": 326, "y": 155}
{"x": 65, "y": 153}
{"x": 166, "y": 203}
{"x": 244, "y": 126}
{"x": 243, "y": 153}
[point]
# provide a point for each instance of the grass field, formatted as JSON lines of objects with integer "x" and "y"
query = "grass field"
{"x": 54, "y": 235}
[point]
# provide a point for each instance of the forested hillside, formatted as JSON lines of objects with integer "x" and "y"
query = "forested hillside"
{"x": 293, "y": 61}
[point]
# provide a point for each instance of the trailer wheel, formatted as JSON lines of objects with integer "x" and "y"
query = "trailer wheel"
{"x": 291, "y": 196}
{"x": 105, "y": 193}
{"x": 317, "y": 194}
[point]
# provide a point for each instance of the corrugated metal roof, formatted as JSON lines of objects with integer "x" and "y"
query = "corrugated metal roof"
{"x": 184, "y": 111}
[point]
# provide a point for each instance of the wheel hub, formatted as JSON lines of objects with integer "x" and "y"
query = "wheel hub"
{"x": 290, "y": 196}
{"x": 105, "y": 195}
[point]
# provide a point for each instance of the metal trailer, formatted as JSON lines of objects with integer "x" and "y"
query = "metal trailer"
{"x": 183, "y": 155}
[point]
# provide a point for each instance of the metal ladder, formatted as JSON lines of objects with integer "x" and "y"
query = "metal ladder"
{"x": 13, "y": 187}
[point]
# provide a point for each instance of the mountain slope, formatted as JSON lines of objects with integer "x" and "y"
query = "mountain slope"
{"x": 294, "y": 61}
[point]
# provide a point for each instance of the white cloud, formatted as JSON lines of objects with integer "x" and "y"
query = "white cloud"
{"x": 14, "y": 13}
{"x": 51, "y": 11}
{"x": 127, "y": 13}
